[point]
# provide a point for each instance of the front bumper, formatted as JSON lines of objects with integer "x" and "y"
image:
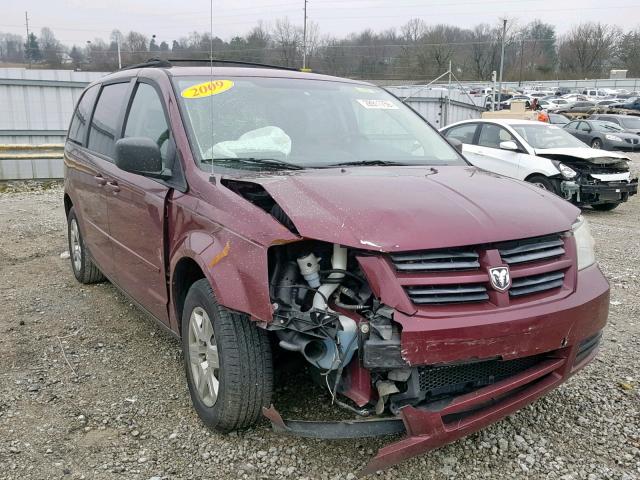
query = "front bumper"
{"x": 604, "y": 192}
{"x": 568, "y": 328}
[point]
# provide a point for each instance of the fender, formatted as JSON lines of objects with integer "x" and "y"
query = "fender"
{"x": 238, "y": 285}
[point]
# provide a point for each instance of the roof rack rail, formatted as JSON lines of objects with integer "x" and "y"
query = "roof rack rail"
{"x": 151, "y": 63}
{"x": 233, "y": 62}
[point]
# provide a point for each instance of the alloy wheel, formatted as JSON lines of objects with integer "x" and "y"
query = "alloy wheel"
{"x": 76, "y": 247}
{"x": 203, "y": 357}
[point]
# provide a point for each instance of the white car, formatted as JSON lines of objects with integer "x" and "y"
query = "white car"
{"x": 547, "y": 156}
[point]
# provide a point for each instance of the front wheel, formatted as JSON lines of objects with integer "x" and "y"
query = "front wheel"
{"x": 604, "y": 207}
{"x": 542, "y": 182}
{"x": 596, "y": 143}
{"x": 227, "y": 362}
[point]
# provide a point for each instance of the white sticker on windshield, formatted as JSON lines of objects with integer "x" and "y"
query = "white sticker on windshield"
{"x": 373, "y": 104}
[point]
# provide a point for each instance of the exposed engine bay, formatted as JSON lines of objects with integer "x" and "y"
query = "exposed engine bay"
{"x": 325, "y": 310}
{"x": 599, "y": 180}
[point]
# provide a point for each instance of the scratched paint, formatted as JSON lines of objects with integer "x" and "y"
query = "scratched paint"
{"x": 223, "y": 253}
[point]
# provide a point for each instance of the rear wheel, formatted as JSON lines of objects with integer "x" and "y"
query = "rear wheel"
{"x": 83, "y": 267}
{"x": 604, "y": 207}
{"x": 227, "y": 362}
{"x": 596, "y": 143}
{"x": 542, "y": 182}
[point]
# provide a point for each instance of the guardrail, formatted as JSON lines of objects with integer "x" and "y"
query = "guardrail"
{"x": 31, "y": 162}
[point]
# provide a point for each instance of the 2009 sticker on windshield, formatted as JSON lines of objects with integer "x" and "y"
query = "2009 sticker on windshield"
{"x": 206, "y": 89}
{"x": 374, "y": 104}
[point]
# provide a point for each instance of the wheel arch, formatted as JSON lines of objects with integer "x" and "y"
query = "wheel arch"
{"x": 68, "y": 204}
{"x": 186, "y": 272}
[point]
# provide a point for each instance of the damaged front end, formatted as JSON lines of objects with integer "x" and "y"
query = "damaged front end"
{"x": 594, "y": 181}
{"x": 418, "y": 343}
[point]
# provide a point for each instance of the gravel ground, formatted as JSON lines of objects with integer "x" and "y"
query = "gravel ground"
{"x": 91, "y": 388}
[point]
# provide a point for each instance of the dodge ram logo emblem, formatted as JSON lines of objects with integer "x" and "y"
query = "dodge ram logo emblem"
{"x": 500, "y": 278}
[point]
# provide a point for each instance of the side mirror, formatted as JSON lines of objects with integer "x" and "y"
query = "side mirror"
{"x": 509, "y": 145}
{"x": 455, "y": 143}
{"x": 140, "y": 155}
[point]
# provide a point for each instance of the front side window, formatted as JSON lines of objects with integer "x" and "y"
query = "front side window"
{"x": 80, "y": 120}
{"x": 492, "y": 135}
{"x": 146, "y": 119}
{"x": 306, "y": 123}
{"x": 104, "y": 124}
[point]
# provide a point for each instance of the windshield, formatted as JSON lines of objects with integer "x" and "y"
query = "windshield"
{"x": 304, "y": 123}
{"x": 609, "y": 126}
{"x": 630, "y": 122}
{"x": 547, "y": 136}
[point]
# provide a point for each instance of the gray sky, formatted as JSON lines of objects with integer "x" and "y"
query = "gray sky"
{"x": 76, "y": 21}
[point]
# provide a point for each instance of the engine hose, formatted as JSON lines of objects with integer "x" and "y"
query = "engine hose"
{"x": 344, "y": 272}
{"x": 351, "y": 294}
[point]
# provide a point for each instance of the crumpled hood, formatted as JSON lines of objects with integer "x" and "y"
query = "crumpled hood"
{"x": 412, "y": 208}
{"x": 585, "y": 153}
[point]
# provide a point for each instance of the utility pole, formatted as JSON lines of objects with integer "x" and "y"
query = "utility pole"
{"x": 504, "y": 33}
{"x": 118, "y": 44}
{"x": 446, "y": 116}
{"x": 28, "y": 43}
{"x": 521, "y": 59}
{"x": 304, "y": 38}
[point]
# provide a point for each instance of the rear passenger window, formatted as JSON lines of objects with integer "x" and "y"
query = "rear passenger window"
{"x": 80, "y": 119}
{"x": 146, "y": 119}
{"x": 464, "y": 133}
{"x": 104, "y": 124}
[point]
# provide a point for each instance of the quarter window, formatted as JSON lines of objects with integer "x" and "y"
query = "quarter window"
{"x": 104, "y": 124}
{"x": 80, "y": 119}
{"x": 146, "y": 118}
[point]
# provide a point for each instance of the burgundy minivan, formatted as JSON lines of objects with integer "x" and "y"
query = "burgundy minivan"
{"x": 254, "y": 209}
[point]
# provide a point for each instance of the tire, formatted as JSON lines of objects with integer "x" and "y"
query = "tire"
{"x": 596, "y": 143}
{"x": 604, "y": 207}
{"x": 244, "y": 377}
{"x": 542, "y": 182}
{"x": 82, "y": 265}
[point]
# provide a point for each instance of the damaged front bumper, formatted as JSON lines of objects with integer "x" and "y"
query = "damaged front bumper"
{"x": 563, "y": 335}
{"x": 601, "y": 192}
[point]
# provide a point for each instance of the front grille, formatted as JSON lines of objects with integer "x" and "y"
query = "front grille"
{"x": 531, "y": 249}
{"x": 438, "y": 294}
{"x": 632, "y": 140}
{"x": 459, "y": 275}
{"x": 536, "y": 283}
{"x": 436, "y": 260}
{"x": 456, "y": 379}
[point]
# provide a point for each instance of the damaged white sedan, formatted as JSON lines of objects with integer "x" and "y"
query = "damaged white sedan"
{"x": 548, "y": 157}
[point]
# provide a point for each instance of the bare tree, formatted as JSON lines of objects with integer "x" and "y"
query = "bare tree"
{"x": 587, "y": 50}
{"x": 287, "y": 39}
{"x": 629, "y": 52}
{"x": 52, "y": 50}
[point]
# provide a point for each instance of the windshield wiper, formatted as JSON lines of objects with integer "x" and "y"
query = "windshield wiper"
{"x": 368, "y": 163}
{"x": 270, "y": 162}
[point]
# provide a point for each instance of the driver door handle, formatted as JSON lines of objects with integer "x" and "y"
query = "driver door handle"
{"x": 113, "y": 185}
{"x": 100, "y": 180}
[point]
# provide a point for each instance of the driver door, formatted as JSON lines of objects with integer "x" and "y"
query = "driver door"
{"x": 488, "y": 154}
{"x": 137, "y": 209}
